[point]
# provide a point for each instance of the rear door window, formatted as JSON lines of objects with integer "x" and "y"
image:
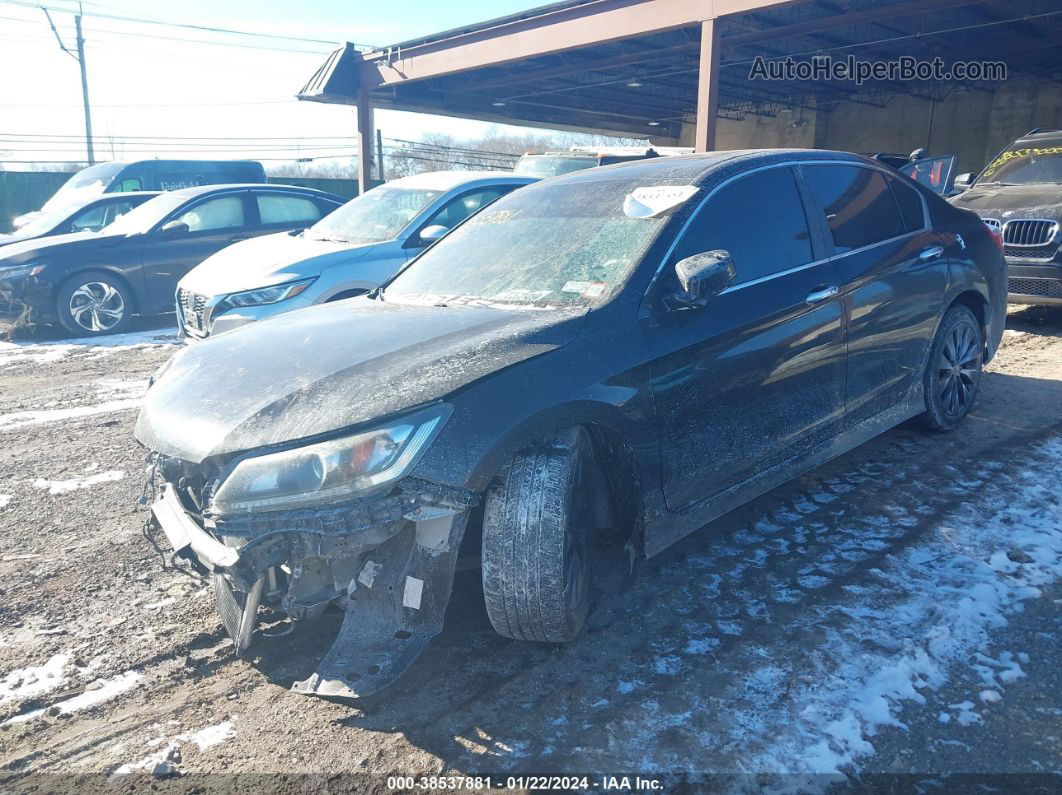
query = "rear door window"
{"x": 759, "y": 219}
{"x": 277, "y": 208}
{"x": 910, "y": 204}
{"x": 224, "y": 212}
{"x": 858, "y": 205}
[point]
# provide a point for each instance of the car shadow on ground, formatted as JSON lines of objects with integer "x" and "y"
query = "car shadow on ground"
{"x": 695, "y": 656}
{"x": 1041, "y": 320}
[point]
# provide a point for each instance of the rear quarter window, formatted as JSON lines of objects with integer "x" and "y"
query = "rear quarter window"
{"x": 858, "y": 205}
{"x": 910, "y": 204}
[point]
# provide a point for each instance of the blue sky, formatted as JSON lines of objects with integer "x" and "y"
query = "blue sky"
{"x": 148, "y": 80}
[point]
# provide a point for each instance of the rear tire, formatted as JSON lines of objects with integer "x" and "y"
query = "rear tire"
{"x": 953, "y": 372}
{"x": 537, "y": 529}
{"x": 94, "y": 303}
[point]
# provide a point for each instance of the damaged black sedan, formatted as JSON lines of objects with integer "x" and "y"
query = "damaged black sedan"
{"x": 641, "y": 347}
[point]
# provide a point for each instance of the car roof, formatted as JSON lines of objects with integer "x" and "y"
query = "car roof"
{"x": 125, "y": 194}
{"x": 202, "y": 190}
{"x": 448, "y": 180}
{"x": 182, "y": 161}
{"x": 1039, "y": 137}
{"x": 691, "y": 169}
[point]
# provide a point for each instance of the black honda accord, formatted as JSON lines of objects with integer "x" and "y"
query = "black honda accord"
{"x": 641, "y": 347}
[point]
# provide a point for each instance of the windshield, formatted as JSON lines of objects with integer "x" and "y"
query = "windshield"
{"x": 377, "y": 215}
{"x": 542, "y": 246}
{"x": 47, "y": 221}
{"x": 87, "y": 182}
{"x": 142, "y": 218}
{"x": 551, "y": 165}
{"x": 1025, "y": 166}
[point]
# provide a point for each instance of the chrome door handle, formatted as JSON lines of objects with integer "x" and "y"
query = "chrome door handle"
{"x": 822, "y": 294}
{"x": 930, "y": 253}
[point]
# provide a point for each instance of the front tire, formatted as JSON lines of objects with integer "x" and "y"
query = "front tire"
{"x": 94, "y": 303}
{"x": 537, "y": 532}
{"x": 953, "y": 372}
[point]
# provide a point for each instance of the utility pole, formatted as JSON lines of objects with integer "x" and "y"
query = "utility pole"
{"x": 80, "y": 58}
{"x": 84, "y": 86}
{"x": 379, "y": 155}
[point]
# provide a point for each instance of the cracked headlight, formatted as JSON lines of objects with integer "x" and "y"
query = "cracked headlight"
{"x": 330, "y": 471}
{"x": 267, "y": 295}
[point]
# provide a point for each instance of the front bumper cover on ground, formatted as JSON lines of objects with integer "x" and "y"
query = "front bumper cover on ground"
{"x": 388, "y": 564}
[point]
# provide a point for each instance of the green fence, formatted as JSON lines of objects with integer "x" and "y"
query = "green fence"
{"x": 24, "y": 191}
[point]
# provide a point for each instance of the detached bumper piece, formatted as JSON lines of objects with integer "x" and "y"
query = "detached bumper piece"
{"x": 387, "y": 563}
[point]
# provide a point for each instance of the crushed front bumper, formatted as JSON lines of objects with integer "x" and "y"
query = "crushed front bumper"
{"x": 388, "y": 564}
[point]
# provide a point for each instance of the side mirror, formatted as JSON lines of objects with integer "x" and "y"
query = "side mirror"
{"x": 962, "y": 182}
{"x": 175, "y": 228}
{"x": 430, "y": 234}
{"x": 702, "y": 276}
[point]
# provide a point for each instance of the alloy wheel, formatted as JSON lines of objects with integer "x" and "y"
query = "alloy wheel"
{"x": 959, "y": 368}
{"x": 97, "y": 306}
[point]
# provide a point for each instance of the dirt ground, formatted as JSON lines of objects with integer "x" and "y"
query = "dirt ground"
{"x": 895, "y": 611}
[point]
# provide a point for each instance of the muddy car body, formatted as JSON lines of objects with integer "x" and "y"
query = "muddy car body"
{"x": 585, "y": 353}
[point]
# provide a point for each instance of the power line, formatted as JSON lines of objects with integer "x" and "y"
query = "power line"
{"x": 185, "y": 25}
{"x": 185, "y": 40}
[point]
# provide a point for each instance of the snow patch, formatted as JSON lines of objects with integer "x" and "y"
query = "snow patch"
{"x": 34, "y": 681}
{"x": 115, "y": 395}
{"x": 204, "y": 738}
{"x": 40, "y": 353}
{"x": 82, "y": 482}
{"x": 5, "y": 500}
{"x": 106, "y": 690}
{"x": 973, "y": 571}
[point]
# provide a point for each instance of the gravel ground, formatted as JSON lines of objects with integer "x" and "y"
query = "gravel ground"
{"x": 896, "y": 611}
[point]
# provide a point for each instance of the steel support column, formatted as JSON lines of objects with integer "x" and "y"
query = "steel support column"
{"x": 708, "y": 86}
{"x": 365, "y": 142}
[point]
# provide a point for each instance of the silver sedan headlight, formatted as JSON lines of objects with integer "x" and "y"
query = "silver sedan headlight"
{"x": 268, "y": 295}
{"x": 332, "y": 471}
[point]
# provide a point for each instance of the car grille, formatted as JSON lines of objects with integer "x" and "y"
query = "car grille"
{"x": 1044, "y": 288}
{"x": 193, "y": 308}
{"x": 993, "y": 224}
{"x": 1027, "y": 232}
{"x": 1044, "y": 253}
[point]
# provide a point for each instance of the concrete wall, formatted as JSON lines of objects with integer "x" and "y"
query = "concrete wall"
{"x": 787, "y": 131}
{"x": 973, "y": 125}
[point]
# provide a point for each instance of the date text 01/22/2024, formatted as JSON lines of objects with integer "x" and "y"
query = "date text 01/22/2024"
{"x": 558, "y": 783}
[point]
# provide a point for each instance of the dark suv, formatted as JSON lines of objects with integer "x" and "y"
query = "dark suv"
{"x": 641, "y": 347}
{"x": 1019, "y": 197}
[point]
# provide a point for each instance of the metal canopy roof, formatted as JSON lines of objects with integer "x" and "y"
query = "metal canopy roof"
{"x": 630, "y": 67}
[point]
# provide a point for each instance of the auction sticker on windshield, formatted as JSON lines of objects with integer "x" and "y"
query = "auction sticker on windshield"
{"x": 589, "y": 289}
{"x": 655, "y": 199}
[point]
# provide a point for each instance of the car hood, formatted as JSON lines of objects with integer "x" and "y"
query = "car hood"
{"x": 26, "y": 250}
{"x": 265, "y": 261}
{"x": 330, "y": 367}
{"x": 1012, "y": 201}
{"x": 14, "y": 237}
